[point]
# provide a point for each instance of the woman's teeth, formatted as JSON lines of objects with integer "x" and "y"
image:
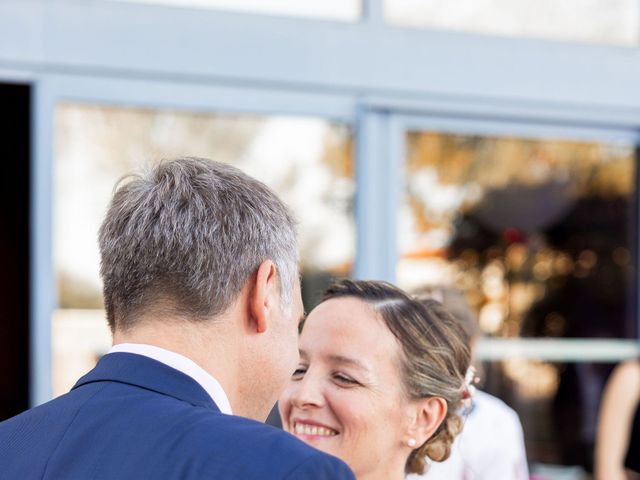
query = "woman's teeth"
{"x": 303, "y": 429}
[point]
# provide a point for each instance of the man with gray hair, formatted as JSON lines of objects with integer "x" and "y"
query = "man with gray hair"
{"x": 202, "y": 295}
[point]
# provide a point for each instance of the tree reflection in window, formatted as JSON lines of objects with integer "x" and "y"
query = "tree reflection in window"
{"x": 538, "y": 233}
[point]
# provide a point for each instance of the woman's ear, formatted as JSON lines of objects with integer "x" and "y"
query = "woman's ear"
{"x": 427, "y": 415}
{"x": 264, "y": 296}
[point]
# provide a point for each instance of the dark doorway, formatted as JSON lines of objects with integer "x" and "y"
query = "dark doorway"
{"x": 15, "y": 131}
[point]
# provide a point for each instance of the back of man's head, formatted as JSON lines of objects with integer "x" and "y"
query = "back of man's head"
{"x": 186, "y": 237}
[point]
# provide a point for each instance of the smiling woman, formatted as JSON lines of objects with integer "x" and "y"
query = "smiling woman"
{"x": 380, "y": 380}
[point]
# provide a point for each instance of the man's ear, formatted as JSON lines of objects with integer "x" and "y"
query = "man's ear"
{"x": 427, "y": 415}
{"x": 263, "y": 297}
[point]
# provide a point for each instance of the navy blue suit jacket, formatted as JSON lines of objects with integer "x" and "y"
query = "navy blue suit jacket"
{"x": 132, "y": 417}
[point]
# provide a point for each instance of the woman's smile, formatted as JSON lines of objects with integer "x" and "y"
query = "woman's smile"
{"x": 311, "y": 430}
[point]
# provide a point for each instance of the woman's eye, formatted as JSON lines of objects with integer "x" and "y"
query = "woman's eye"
{"x": 344, "y": 379}
{"x": 298, "y": 373}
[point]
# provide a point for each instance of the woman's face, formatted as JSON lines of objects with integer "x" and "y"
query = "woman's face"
{"x": 345, "y": 398}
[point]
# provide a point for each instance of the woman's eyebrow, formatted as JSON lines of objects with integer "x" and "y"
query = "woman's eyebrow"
{"x": 341, "y": 359}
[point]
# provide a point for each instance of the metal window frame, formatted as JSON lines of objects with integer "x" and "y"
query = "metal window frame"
{"x": 53, "y": 89}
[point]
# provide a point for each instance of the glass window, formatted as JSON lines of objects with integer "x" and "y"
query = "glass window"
{"x": 597, "y": 21}
{"x": 307, "y": 161}
{"x": 539, "y": 234}
{"x": 343, "y": 10}
{"x": 558, "y": 407}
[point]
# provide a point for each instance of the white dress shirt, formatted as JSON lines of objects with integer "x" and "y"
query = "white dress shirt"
{"x": 182, "y": 364}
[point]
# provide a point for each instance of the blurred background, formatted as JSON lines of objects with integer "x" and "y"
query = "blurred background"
{"x": 490, "y": 145}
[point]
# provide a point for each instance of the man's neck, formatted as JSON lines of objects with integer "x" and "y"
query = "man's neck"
{"x": 208, "y": 345}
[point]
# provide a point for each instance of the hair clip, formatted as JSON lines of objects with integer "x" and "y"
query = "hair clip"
{"x": 469, "y": 379}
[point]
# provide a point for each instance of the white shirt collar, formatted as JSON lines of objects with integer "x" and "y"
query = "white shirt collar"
{"x": 182, "y": 364}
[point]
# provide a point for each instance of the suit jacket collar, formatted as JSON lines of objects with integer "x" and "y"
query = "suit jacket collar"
{"x": 144, "y": 372}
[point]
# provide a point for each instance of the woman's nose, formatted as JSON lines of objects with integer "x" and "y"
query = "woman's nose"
{"x": 307, "y": 392}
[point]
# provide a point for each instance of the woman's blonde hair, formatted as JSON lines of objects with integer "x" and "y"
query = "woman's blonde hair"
{"x": 435, "y": 356}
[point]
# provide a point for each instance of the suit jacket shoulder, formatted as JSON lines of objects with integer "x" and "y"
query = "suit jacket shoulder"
{"x": 133, "y": 417}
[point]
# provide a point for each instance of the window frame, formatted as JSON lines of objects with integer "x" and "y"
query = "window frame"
{"x": 54, "y": 89}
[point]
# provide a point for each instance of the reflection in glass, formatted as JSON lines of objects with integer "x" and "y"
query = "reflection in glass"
{"x": 557, "y": 404}
{"x": 344, "y": 10}
{"x": 307, "y": 161}
{"x": 537, "y": 233}
{"x": 595, "y": 21}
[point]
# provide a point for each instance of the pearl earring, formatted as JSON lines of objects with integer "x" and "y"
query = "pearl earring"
{"x": 411, "y": 442}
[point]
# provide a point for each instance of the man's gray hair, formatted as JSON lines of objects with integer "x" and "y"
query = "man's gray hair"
{"x": 186, "y": 237}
